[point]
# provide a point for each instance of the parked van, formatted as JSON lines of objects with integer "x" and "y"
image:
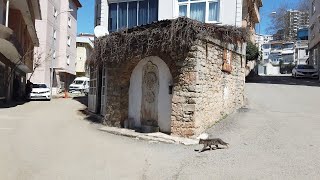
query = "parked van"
{"x": 80, "y": 84}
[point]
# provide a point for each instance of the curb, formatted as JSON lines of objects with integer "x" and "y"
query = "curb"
{"x": 160, "y": 137}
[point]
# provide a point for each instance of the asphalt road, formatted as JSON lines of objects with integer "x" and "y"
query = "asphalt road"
{"x": 275, "y": 137}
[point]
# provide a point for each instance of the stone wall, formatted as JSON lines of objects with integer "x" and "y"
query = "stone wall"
{"x": 220, "y": 93}
{"x": 205, "y": 93}
{"x": 202, "y": 92}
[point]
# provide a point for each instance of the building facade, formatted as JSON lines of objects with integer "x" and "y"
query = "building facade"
{"x": 296, "y": 20}
{"x": 84, "y": 50}
{"x": 301, "y": 52}
{"x": 261, "y": 39}
{"x": 178, "y": 86}
{"x": 57, "y": 33}
{"x": 116, "y": 14}
{"x": 18, "y": 38}
{"x": 250, "y": 16}
{"x": 303, "y": 34}
{"x": 314, "y": 35}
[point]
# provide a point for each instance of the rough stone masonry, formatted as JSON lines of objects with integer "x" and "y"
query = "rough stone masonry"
{"x": 208, "y": 71}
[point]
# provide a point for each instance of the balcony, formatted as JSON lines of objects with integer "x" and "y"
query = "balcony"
{"x": 9, "y": 47}
{"x": 5, "y": 32}
{"x": 255, "y": 13}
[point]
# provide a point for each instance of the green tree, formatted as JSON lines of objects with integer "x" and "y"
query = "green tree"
{"x": 252, "y": 52}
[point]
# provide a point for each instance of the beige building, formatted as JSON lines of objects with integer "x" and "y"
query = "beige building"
{"x": 17, "y": 40}
{"x": 251, "y": 16}
{"x": 57, "y": 33}
{"x": 84, "y": 50}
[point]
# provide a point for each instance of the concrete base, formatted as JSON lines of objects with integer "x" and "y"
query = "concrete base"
{"x": 160, "y": 137}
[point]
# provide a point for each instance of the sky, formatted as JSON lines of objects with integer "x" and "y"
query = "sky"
{"x": 86, "y": 15}
{"x": 268, "y": 7}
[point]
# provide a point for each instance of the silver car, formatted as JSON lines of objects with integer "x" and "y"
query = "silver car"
{"x": 305, "y": 71}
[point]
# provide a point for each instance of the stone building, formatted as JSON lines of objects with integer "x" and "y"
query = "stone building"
{"x": 175, "y": 76}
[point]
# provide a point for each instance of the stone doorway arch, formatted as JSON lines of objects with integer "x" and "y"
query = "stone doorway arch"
{"x": 150, "y": 99}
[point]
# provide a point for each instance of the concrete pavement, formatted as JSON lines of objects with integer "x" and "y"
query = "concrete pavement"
{"x": 276, "y": 137}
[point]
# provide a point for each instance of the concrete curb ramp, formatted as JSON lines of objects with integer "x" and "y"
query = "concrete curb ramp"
{"x": 160, "y": 137}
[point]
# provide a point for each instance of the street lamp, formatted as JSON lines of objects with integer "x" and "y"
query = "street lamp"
{"x": 52, "y": 59}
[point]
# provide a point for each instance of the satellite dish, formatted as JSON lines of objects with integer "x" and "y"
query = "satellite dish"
{"x": 100, "y": 31}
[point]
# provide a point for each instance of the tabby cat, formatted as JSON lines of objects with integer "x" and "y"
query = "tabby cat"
{"x": 212, "y": 142}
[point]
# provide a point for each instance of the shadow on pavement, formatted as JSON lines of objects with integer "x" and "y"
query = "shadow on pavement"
{"x": 286, "y": 80}
{"x": 94, "y": 118}
{"x": 11, "y": 104}
{"x": 82, "y": 99}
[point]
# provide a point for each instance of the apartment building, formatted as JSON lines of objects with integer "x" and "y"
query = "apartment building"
{"x": 18, "y": 38}
{"x": 250, "y": 16}
{"x": 296, "y": 20}
{"x": 57, "y": 33}
{"x": 116, "y": 14}
{"x": 261, "y": 39}
{"x": 314, "y": 33}
{"x": 84, "y": 50}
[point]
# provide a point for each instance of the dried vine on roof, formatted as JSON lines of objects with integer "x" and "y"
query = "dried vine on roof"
{"x": 166, "y": 36}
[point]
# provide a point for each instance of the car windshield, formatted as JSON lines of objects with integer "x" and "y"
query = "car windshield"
{"x": 77, "y": 82}
{"x": 305, "y": 67}
{"x": 39, "y": 86}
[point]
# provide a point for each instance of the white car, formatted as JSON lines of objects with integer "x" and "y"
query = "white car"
{"x": 40, "y": 91}
{"x": 305, "y": 71}
{"x": 80, "y": 84}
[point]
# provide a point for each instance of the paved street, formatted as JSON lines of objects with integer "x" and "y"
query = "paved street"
{"x": 275, "y": 137}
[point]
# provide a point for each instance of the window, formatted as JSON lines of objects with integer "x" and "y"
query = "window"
{"x": 55, "y": 12}
{"x": 69, "y": 22}
{"x": 313, "y": 8}
{"x": 69, "y": 41}
{"x": 183, "y": 10}
{"x": 213, "y": 11}
{"x": 201, "y": 10}
{"x": 54, "y": 54}
{"x": 68, "y": 59}
{"x": 133, "y": 13}
{"x": 54, "y": 34}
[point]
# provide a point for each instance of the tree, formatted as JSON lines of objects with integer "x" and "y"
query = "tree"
{"x": 279, "y": 21}
{"x": 22, "y": 60}
{"x": 252, "y": 52}
{"x": 303, "y": 5}
{"x": 37, "y": 61}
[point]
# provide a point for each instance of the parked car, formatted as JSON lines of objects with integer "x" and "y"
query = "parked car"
{"x": 80, "y": 84}
{"x": 40, "y": 91}
{"x": 305, "y": 71}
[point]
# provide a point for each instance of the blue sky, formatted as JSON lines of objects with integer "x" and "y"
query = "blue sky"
{"x": 86, "y": 17}
{"x": 86, "y": 14}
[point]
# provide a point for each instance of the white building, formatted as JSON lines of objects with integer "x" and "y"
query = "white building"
{"x": 57, "y": 32}
{"x": 273, "y": 53}
{"x": 301, "y": 52}
{"x": 84, "y": 50}
{"x": 261, "y": 39}
{"x": 265, "y": 50}
{"x": 118, "y": 14}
